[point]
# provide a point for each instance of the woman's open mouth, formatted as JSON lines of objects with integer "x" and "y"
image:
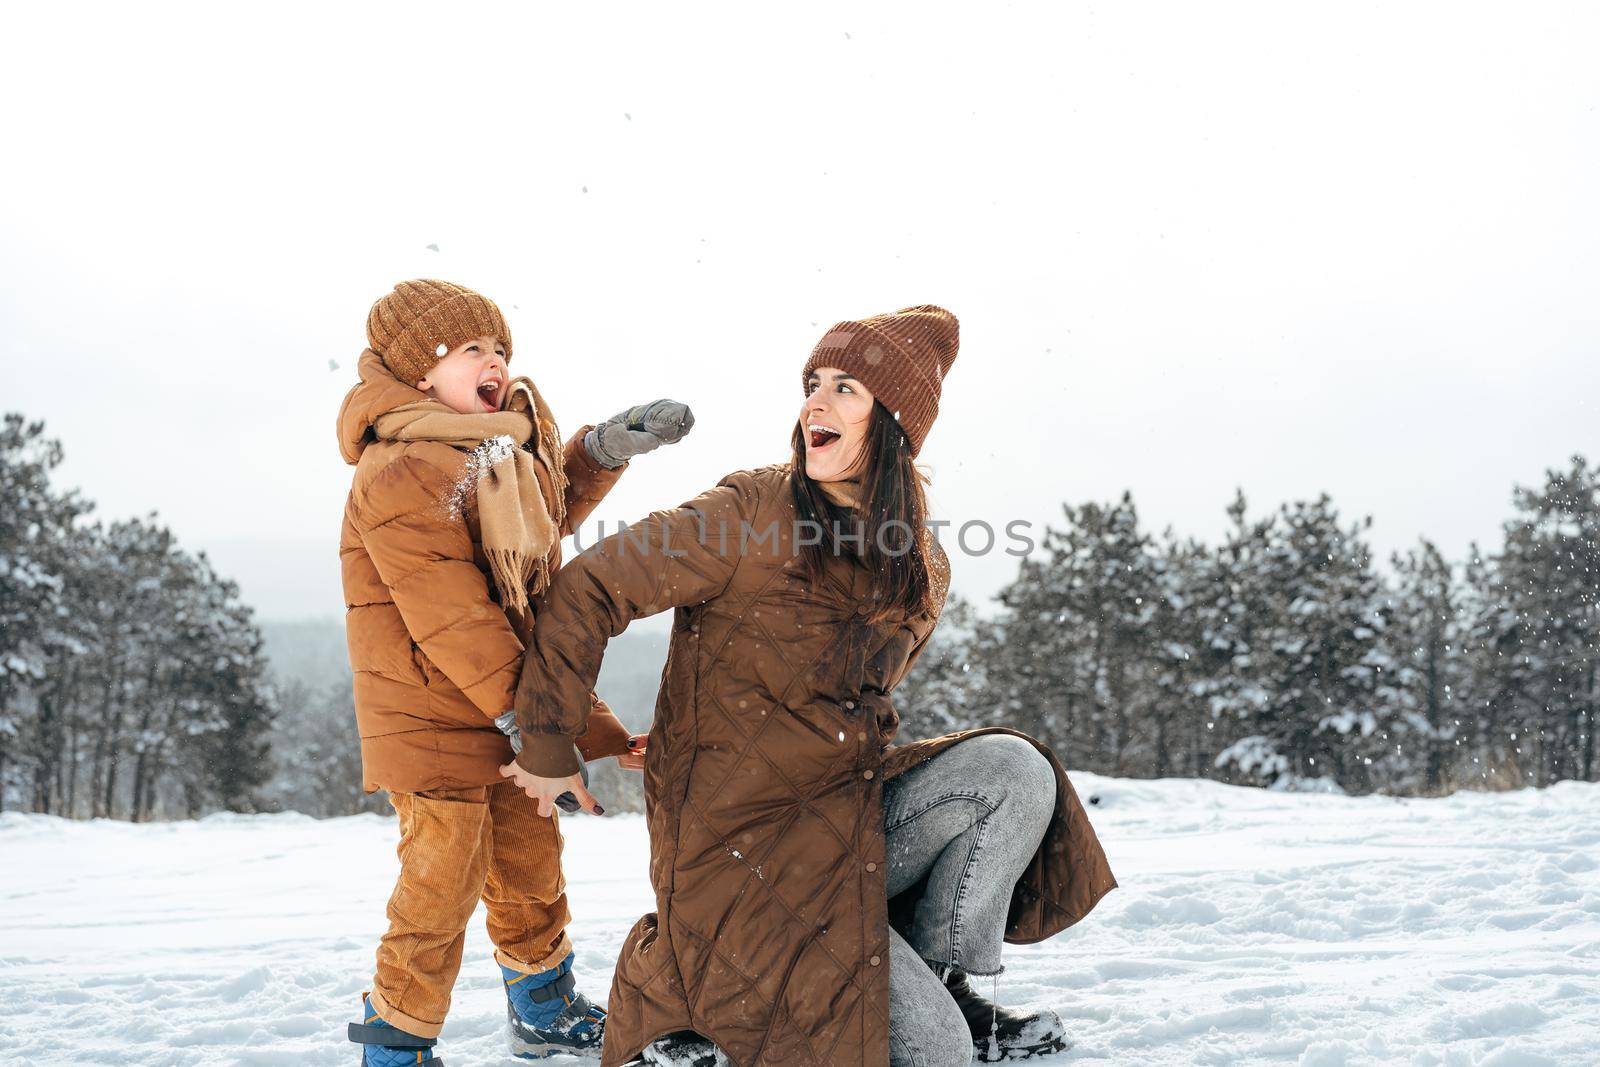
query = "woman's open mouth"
{"x": 821, "y": 436}
{"x": 489, "y": 394}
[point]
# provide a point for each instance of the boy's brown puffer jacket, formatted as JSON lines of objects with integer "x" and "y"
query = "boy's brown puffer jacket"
{"x": 434, "y": 656}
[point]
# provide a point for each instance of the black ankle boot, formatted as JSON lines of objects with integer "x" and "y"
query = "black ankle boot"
{"x": 1002, "y": 1033}
{"x": 682, "y": 1049}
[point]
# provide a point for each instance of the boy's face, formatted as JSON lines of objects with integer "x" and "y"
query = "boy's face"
{"x": 471, "y": 378}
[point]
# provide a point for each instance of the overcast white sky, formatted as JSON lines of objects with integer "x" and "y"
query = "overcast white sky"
{"x": 1283, "y": 247}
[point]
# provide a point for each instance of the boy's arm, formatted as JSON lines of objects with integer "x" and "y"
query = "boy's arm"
{"x": 673, "y": 558}
{"x": 587, "y": 481}
{"x": 423, "y": 554}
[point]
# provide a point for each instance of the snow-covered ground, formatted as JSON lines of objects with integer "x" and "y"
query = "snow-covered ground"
{"x": 1251, "y": 927}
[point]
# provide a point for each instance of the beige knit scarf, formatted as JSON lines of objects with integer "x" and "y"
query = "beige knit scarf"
{"x": 521, "y": 489}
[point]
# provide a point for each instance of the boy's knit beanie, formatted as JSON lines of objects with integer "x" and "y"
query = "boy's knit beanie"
{"x": 902, "y": 358}
{"x": 417, "y": 324}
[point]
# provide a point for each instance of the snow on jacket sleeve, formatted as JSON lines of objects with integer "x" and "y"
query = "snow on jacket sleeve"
{"x": 423, "y": 553}
{"x": 671, "y": 558}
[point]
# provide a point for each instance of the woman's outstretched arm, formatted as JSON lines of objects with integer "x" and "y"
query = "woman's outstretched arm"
{"x": 671, "y": 558}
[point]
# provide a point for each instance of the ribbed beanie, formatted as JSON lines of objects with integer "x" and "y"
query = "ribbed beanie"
{"x": 420, "y": 321}
{"x": 902, "y": 358}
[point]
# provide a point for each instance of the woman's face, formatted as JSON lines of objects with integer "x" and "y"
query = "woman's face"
{"x": 834, "y": 420}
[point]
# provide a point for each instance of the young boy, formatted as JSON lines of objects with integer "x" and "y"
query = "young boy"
{"x": 461, "y": 494}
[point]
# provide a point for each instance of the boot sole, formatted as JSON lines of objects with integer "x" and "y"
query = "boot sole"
{"x": 538, "y": 1050}
{"x": 525, "y": 1046}
{"x": 987, "y": 1053}
{"x": 712, "y": 1059}
{"x": 542, "y": 1050}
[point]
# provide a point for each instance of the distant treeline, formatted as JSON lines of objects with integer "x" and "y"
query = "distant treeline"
{"x": 1284, "y": 657}
{"x": 133, "y": 681}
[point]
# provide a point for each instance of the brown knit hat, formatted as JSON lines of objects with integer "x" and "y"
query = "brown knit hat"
{"x": 902, "y": 358}
{"x": 414, "y": 326}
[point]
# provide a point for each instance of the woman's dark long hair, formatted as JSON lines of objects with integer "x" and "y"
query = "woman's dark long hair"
{"x": 887, "y": 536}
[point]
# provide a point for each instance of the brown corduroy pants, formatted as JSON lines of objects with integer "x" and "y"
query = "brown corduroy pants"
{"x": 459, "y": 846}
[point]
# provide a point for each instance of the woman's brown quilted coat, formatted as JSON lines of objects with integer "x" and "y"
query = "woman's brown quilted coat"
{"x": 767, "y": 759}
{"x": 435, "y": 658}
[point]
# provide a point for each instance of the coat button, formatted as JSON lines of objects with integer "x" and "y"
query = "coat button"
{"x": 850, "y": 704}
{"x": 871, "y": 867}
{"x": 867, "y": 775}
{"x": 861, "y": 735}
{"x": 874, "y": 961}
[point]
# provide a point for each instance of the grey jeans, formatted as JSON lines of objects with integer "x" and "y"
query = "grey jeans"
{"x": 968, "y": 821}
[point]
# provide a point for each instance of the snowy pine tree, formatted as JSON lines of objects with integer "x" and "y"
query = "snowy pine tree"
{"x": 1541, "y": 619}
{"x": 1071, "y": 656}
{"x": 1427, "y": 639}
{"x": 131, "y": 677}
{"x": 35, "y": 525}
{"x": 1189, "y": 656}
{"x": 1316, "y": 663}
{"x": 943, "y": 692}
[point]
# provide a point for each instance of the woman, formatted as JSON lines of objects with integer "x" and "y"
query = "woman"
{"x": 781, "y": 821}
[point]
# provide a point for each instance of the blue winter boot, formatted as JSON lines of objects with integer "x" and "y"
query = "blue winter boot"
{"x": 383, "y": 1045}
{"x": 547, "y": 1014}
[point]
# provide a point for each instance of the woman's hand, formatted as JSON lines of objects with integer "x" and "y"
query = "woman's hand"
{"x": 546, "y": 790}
{"x": 633, "y": 759}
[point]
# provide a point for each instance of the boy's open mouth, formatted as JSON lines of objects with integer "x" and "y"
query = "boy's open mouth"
{"x": 489, "y": 393}
{"x": 821, "y": 436}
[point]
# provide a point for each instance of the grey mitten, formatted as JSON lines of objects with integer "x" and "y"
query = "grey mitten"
{"x": 506, "y": 723}
{"x": 638, "y": 430}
